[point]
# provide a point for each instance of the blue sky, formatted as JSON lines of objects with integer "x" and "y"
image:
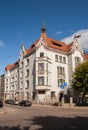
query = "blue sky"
{"x": 21, "y": 20}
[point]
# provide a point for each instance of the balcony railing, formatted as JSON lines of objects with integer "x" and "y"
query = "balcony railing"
{"x": 61, "y": 76}
{"x": 43, "y": 59}
{"x": 42, "y": 72}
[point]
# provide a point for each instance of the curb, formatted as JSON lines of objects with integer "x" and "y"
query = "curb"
{"x": 64, "y": 106}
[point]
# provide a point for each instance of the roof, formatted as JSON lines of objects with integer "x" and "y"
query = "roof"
{"x": 85, "y": 56}
{"x": 11, "y": 66}
{"x": 51, "y": 43}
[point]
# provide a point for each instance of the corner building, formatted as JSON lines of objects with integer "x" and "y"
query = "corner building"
{"x": 44, "y": 70}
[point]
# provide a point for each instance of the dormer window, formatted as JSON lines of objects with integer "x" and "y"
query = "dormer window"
{"x": 41, "y": 54}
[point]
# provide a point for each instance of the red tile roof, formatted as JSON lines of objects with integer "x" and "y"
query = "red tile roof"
{"x": 52, "y": 43}
{"x": 11, "y": 66}
{"x": 85, "y": 56}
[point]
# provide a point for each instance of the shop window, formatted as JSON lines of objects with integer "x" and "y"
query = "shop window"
{"x": 52, "y": 94}
{"x": 41, "y": 92}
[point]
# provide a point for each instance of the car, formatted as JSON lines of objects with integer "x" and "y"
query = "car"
{"x": 12, "y": 102}
{"x": 25, "y": 103}
{"x": 1, "y": 103}
{"x": 9, "y": 101}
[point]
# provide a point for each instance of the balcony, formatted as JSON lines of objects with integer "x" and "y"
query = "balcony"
{"x": 42, "y": 59}
{"x": 61, "y": 76}
{"x": 42, "y": 72}
{"x": 43, "y": 87}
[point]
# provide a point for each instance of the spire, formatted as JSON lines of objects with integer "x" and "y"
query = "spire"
{"x": 43, "y": 28}
{"x": 43, "y": 31}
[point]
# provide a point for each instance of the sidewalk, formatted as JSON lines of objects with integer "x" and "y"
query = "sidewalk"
{"x": 53, "y": 106}
{"x": 2, "y": 111}
{"x": 67, "y": 105}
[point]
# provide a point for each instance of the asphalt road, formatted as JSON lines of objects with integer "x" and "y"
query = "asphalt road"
{"x": 44, "y": 118}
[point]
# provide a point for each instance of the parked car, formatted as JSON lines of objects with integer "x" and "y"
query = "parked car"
{"x": 1, "y": 103}
{"x": 9, "y": 101}
{"x": 25, "y": 103}
{"x": 12, "y": 102}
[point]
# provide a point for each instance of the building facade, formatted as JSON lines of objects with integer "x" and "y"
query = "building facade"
{"x": 2, "y": 84}
{"x": 44, "y": 70}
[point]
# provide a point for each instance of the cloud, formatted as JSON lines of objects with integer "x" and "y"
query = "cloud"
{"x": 83, "y": 40}
{"x": 1, "y": 44}
{"x": 58, "y": 33}
{"x": 20, "y": 33}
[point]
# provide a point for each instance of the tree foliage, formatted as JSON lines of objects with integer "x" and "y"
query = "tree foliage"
{"x": 80, "y": 78}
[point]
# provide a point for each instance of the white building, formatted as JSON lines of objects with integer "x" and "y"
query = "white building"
{"x": 43, "y": 70}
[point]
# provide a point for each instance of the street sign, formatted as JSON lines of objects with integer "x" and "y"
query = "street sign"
{"x": 62, "y": 86}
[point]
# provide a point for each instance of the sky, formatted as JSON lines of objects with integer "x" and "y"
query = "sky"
{"x": 21, "y": 21}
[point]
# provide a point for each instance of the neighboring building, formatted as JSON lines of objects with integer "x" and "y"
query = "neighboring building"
{"x": 43, "y": 70}
{"x": 12, "y": 81}
{"x": 2, "y": 84}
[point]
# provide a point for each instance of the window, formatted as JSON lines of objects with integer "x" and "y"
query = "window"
{"x": 41, "y": 92}
{"x": 60, "y": 70}
{"x": 56, "y": 57}
{"x": 27, "y": 72}
{"x": 77, "y": 59}
{"x": 21, "y": 64}
{"x": 27, "y": 82}
{"x": 27, "y": 62}
{"x": 60, "y": 59}
{"x": 41, "y": 80}
{"x": 64, "y": 59}
{"x": 52, "y": 94}
{"x": 41, "y": 54}
{"x": 41, "y": 66}
{"x": 60, "y": 82}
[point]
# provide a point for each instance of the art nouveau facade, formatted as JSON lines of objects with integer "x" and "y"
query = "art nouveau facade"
{"x": 43, "y": 70}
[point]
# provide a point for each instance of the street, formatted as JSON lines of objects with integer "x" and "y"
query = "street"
{"x": 44, "y": 118}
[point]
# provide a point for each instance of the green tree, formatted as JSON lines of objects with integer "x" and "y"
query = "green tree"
{"x": 80, "y": 79}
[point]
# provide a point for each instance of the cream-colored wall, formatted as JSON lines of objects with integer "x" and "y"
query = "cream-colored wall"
{"x": 33, "y": 68}
{"x": 52, "y": 77}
